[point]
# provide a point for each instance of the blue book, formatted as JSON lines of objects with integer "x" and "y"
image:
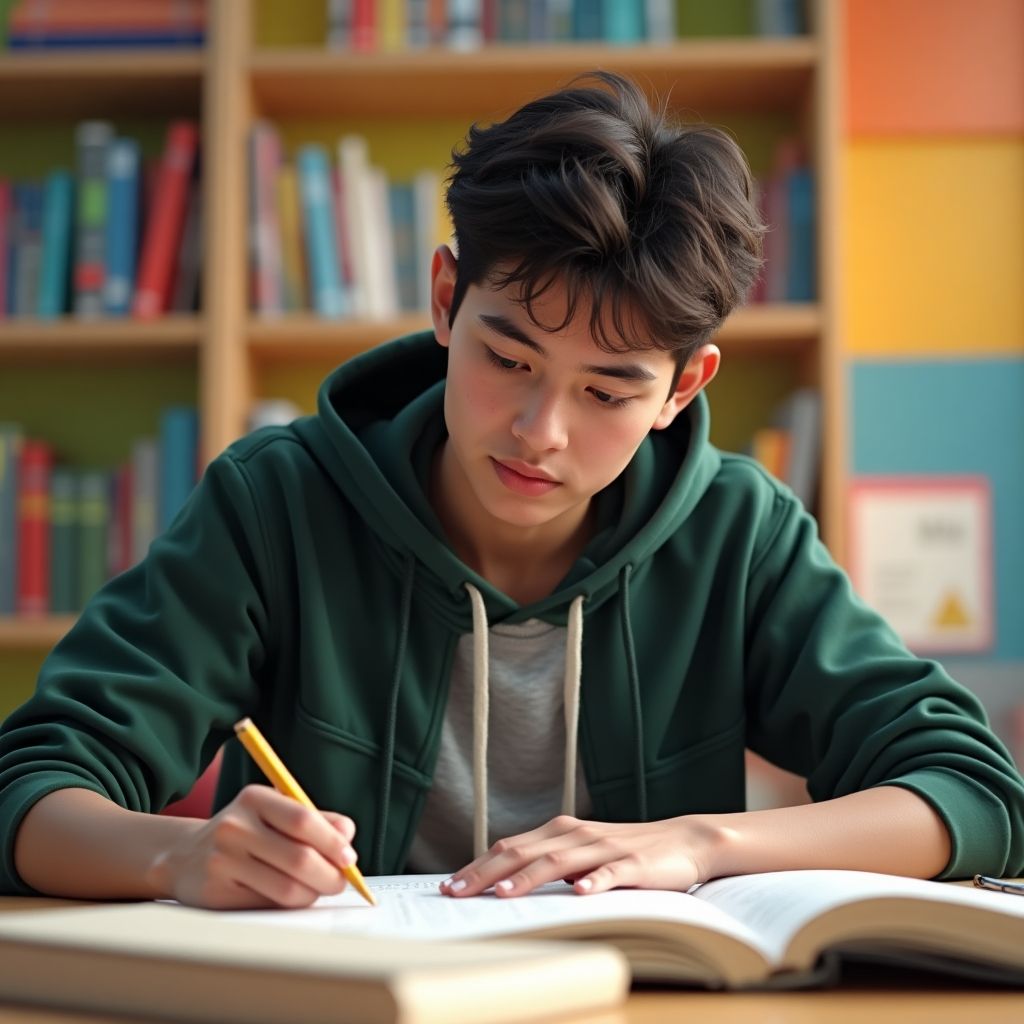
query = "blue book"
{"x": 402, "y": 201}
{"x": 179, "y": 455}
{"x": 27, "y": 239}
{"x": 10, "y": 451}
{"x": 588, "y": 19}
{"x": 318, "y": 220}
{"x": 624, "y": 21}
{"x": 55, "y": 268}
{"x": 89, "y": 40}
{"x": 120, "y": 249}
{"x": 800, "y": 283}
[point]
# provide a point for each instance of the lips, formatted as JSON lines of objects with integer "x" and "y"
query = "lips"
{"x": 524, "y": 479}
{"x": 525, "y": 469}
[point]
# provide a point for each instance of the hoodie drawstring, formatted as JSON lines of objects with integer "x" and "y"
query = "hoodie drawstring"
{"x": 634, "y": 689}
{"x": 384, "y": 799}
{"x": 481, "y": 693}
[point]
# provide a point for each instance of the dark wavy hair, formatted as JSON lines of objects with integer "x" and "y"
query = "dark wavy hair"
{"x": 592, "y": 187}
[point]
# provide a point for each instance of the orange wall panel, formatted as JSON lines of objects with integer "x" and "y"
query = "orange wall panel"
{"x": 935, "y": 67}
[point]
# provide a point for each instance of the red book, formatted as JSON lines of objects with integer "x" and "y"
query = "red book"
{"x": 119, "y": 544}
{"x": 166, "y": 219}
{"x": 5, "y": 234}
{"x": 341, "y": 231}
{"x": 364, "y": 25}
{"x": 33, "y": 594}
{"x": 119, "y": 15}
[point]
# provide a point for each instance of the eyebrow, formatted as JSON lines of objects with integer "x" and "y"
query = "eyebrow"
{"x": 620, "y": 371}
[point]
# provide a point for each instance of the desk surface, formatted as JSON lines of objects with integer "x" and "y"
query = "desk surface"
{"x": 875, "y": 997}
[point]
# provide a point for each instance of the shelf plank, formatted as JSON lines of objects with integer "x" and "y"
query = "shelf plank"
{"x": 33, "y": 632}
{"x": 174, "y": 337}
{"x": 699, "y": 75}
{"x": 91, "y": 83}
{"x": 752, "y": 330}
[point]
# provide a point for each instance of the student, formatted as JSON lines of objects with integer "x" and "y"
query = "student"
{"x": 501, "y": 590}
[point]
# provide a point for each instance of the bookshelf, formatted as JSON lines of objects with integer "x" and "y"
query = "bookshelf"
{"x": 237, "y": 357}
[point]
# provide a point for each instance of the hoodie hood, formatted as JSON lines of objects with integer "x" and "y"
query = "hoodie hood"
{"x": 380, "y": 421}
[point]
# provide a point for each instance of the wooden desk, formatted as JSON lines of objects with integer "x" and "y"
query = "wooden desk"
{"x": 868, "y": 998}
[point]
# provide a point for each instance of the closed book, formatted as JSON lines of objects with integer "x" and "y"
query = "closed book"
{"x": 61, "y": 39}
{"x": 165, "y": 221}
{"x": 27, "y": 247}
{"x": 339, "y": 24}
{"x": 392, "y": 28}
{"x": 115, "y": 14}
{"x": 57, "y": 216}
{"x": 185, "y": 964}
{"x": 383, "y": 300}
{"x": 560, "y": 21}
{"x": 513, "y": 21}
{"x": 779, "y": 17}
{"x": 588, "y": 19}
{"x": 465, "y": 24}
{"x": 402, "y": 200}
{"x": 92, "y": 139}
{"x": 179, "y": 456}
{"x": 356, "y": 189}
{"x": 428, "y": 206}
{"x": 364, "y": 26}
{"x": 660, "y": 21}
{"x": 185, "y": 297}
{"x": 6, "y": 204}
{"x": 343, "y": 235}
{"x": 33, "y": 590}
{"x": 801, "y": 279}
{"x": 293, "y": 269}
{"x": 124, "y": 182}
{"x": 800, "y": 417}
{"x": 10, "y": 456}
{"x": 266, "y": 276}
{"x": 63, "y": 540}
{"x": 145, "y": 477}
{"x": 315, "y": 194}
{"x": 624, "y": 21}
{"x": 120, "y": 555}
{"x": 93, "y": 532}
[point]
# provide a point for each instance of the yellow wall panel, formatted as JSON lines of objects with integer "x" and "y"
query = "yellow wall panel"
{"x": 935, "y": 247}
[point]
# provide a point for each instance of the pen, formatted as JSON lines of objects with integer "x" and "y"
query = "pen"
{"x": 999, "y": 885}
{"x": 284, "y": 782}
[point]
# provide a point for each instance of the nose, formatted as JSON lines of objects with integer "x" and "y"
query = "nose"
{"x": 541, "y": 424}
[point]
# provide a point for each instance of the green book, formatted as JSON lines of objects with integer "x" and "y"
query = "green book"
{"x": 63, "y": 540}
{"x": 93, "y": 528}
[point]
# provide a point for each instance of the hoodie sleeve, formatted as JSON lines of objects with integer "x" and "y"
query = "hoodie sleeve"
{"x": 135, "y": 701}
{"x": 833, "y": 695}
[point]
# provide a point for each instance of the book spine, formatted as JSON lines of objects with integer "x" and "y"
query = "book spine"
{"x": 427, "y": 204}
{"x": 119, "y": 538}
{"x": 588, "y": 20}
{"x": 145, "y": 474}
{"x": 91, "y": 141}
{"x": 264, "y": 227}
{"x": 402, "y": 201}
{"x": 28, "y": 247}
{"x": 364, "y": 26}
{"x": 779, "y": 17}
{"x": 6, "y": 228}
{"x": 513, "y": 21}
{"x": 27, "y": 15}
{"x": 417, "y": 24}
{"x": 623, "y": 22}
{"x": 801, "y": 277}
{"x": 55, "y": 40}
{"x": 64, "y": 510}
{"x": 660, "y": 21}
{"x": 10, "y": 457}
{"x": 166, "y": 221}
{"x": 383, "y": 300}
{"x": 342, "y": 234}
{"x": 179, "y": 454}
{"x": 123, "y": 187}
{"x": 33, "y": 594}
{"x": 58, "y": 204}
{"x": 188, "y": 264}
{"x": 93, "y": 528}
{"x": 327, "y": 297}
{"x": 393, "y": 30}
{"x": 339, "y": 24}
{"x": 292, "y": 265}
{"x": 559, "y": 21}
{"x": 354, "y": 167}
{"x": 465, "y": 24}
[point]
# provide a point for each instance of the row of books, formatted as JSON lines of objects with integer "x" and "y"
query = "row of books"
{"x": 84, "y": 24}
{"x": 64, "y": 531}
{"x": 789, "y": 447}
{"x": 393, "y": 25}
{"x": 116, "y": 237}
{"x": 787, "y": 202}
{"x": 337, "y": 237}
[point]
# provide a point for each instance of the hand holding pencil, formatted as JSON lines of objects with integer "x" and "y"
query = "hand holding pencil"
{"x": 284, "y": 782}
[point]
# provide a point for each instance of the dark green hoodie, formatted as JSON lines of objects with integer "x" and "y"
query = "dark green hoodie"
{"x": 307, "y": 583}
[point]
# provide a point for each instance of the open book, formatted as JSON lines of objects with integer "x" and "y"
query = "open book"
{"x": 785, "y": 928}
{"x": 167, "y": 961}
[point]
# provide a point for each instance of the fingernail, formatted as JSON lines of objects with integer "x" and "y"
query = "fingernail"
{"x": 585, "y": 883}
{"x": 457, "y": 886}
{"x": 348, "y": 857}
{"x": 505, "y": 885}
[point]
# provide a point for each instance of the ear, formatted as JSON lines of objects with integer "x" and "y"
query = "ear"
{"x": 698, "y": 373}
{"x": 443, "y": 266}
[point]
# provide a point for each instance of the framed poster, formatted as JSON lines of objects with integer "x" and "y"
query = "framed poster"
{"x": 921, "y": 555}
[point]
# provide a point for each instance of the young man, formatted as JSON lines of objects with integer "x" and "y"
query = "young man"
{"x": 501, "y": 590}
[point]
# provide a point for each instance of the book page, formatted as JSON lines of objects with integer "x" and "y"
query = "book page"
{"x": 410, "y": 906}
{"x": 776, "y": 905}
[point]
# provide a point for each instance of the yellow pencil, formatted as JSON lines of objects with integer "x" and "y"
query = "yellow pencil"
{"x": 284, "y": 782}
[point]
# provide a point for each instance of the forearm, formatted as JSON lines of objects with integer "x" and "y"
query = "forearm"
{"x": 886, "y": 829}
{"x": 76, "y": 843}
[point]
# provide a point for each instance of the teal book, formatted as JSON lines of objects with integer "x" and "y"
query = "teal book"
{"x": 624, "y": 22}
{"x": 55, "y": 260}
{"x": 64, "y": 513}
{"x": 318, "y": 220}
{"x": 92, "y": 140}
{"x": 801, "y": 286}
{"x": 121, "y": 242}
{"x": 588, "y": 19}
{"x": 93, "y": 531}
{"x": 179, "y": 456}
{"x": 10, "y": 452}
{"x": 402, "y": 201}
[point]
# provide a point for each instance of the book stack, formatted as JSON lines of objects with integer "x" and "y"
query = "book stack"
{"x": 114, "y": 238}
{"x": 64, "y": 531}
{"x": 337, "y": 236}
{"x": 790, "y": 446}
{"x": 90, "y": 24}
{"x": 393, "y": 25}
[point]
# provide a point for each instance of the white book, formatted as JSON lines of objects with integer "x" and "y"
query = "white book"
{"x": 354, "y": 171}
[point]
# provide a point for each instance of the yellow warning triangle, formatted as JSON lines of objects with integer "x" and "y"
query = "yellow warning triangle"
{"x": 952, "y": 613}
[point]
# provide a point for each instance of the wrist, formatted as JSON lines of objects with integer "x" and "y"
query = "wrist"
{"x": 711, "y": 843}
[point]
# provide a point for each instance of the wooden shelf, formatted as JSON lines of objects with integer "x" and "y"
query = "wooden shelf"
{"x": 33, "y": 632}
{"x": 89, "y": 83}
{"x": 760, "y": 329}
{"x": 701, "y": 76}
{"x": 175, "y": 338}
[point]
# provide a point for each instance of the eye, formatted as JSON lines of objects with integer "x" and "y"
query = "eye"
{"x": 603, "y": 398}
{"x": 501, "y": 361}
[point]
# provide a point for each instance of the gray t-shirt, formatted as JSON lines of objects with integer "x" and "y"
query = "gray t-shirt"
{"x": 526, "y": 747}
